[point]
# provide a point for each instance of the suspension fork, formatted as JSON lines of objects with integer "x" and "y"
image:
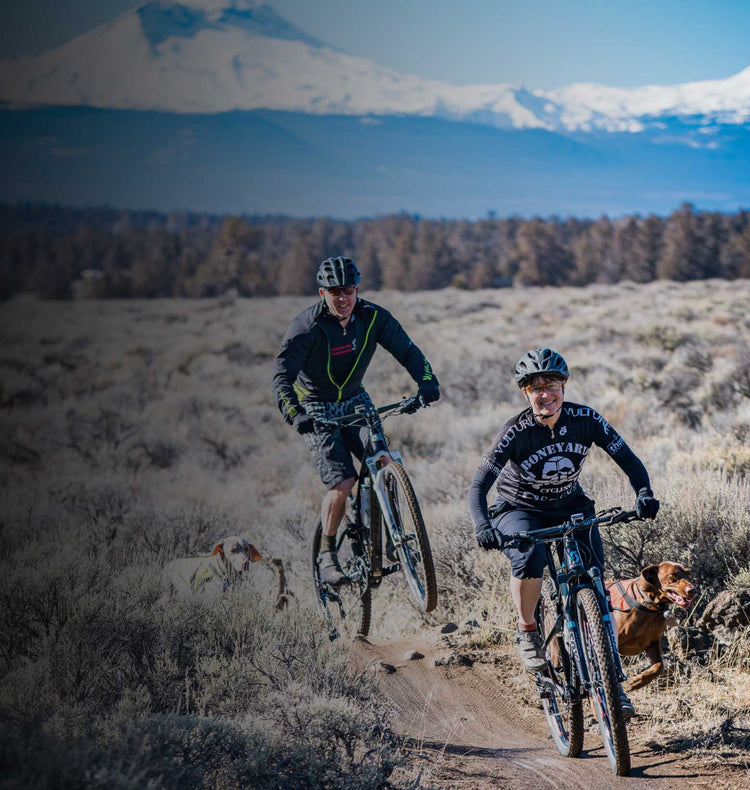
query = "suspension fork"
{"x": 566, "y": 607}
{"x": 574, "y": 636}
{"x": 567, "y": 621}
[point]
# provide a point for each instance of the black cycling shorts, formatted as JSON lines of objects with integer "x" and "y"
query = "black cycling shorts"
{"x": 332, "y": 447}
{"x": 509, "y": 519}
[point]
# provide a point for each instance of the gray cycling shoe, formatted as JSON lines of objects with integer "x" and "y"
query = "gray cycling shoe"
{"x": 530, "y": 647}
{"x": 628, "y": 709}
{"x": 330, "y": 570}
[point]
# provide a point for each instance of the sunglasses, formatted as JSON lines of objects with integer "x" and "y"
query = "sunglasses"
{"x": 345, "y": 290}
{"x": 552, "y": 386}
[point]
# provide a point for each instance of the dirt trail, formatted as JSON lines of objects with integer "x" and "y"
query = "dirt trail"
{"x": 480, "y": 726}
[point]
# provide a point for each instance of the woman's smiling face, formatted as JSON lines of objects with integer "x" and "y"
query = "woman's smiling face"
{"x": 545, "y": 394}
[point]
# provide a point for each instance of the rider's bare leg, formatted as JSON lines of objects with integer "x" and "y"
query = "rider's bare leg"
{"x": 334, "y": 505}
{"x": 525, "y": 594}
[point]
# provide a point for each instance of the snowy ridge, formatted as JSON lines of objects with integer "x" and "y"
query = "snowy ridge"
{"x": 211, "y": 56}
{"x": 723, "y": 101}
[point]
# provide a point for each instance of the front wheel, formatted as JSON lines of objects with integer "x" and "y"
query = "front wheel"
{"x": 558, "y": 683}
{"x": 346, "y": 609}
{"x": 604, "y": 689}
{"x": 409, "y": 536}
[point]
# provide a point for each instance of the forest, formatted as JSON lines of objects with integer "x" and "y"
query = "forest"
{"x": 63, "y": 253}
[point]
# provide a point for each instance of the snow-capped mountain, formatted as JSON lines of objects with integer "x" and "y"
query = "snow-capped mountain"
{"x": 213, "y": 56}
{"x": 223, "y": 105}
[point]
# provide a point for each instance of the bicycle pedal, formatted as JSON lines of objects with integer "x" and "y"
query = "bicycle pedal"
{"x": 389, "y": 569}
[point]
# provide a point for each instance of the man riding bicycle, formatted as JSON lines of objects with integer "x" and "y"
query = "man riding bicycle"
{"x": 319, "y": 370}
{"x": 536, "y": 459}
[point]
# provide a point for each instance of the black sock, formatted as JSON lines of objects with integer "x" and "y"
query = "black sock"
{"x": 328, "y": 543}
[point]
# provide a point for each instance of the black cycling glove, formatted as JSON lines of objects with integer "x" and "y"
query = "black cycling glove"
{"x": 428, "y": 393}
{"x": 304, "y": 423}
{"x": 489, "y": 538}
{"x": 645, "y": 504}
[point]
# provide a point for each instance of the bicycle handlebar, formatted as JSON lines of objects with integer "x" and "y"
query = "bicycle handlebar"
{"x": 404, "y": 406}
{"x": 614, "y": 515}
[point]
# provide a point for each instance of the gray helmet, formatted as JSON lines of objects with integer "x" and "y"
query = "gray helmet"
{"x": 540, "y": 362}
{"x": 335, "y": 272}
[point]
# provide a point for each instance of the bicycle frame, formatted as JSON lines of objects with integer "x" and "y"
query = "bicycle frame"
{"x": 583, "y": 661}
{"x": 382, "y": 496}
{"x": 569, "y": 576}
{"x": 377, "y": 456}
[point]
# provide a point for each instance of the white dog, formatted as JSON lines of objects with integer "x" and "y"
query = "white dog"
{"x": 224, "y": 567}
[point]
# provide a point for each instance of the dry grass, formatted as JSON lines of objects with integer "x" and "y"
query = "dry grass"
{"x": 135, "y": 432}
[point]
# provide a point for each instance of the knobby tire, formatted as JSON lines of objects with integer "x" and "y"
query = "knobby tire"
{"x": 410, "y": 525}
{"x": 564, "y": 715}
{"x": 604, "y": 691}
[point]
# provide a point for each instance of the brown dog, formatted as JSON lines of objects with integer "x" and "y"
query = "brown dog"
{"x": 640, "y": 612}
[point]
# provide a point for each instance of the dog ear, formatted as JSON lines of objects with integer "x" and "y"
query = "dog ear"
{"x": 253, "y": 554}
{"x": 218, "y": 550}
{"x": 650, "y": 575}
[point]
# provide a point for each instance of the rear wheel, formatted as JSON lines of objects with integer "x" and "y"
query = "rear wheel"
{"x": 347, "y": 609}
{"x": 558, "y": 685}
{"x": 409, "y": 536}
{"x": 604, "y": 686}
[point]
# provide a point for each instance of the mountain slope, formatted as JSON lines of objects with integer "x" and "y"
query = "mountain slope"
{"x": 343, "y": 166}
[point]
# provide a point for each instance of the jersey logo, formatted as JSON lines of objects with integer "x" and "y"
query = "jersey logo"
{"x": 349, "y": 348}
{"x": 563, "y": 430}
{"x": 558, "y": 468}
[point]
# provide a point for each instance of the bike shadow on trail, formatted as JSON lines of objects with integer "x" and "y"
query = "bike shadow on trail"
{"x": 652, "y": 765}
{"x": 467, "y": 750}
{"x": 654, "y": 769}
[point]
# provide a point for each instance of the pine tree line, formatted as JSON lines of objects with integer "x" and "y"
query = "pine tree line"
{"x": 59, "y": 253}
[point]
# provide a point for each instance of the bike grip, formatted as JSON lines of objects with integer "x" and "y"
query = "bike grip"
{"x": 624, "y": 516}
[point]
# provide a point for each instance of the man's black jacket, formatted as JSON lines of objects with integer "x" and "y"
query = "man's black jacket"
{"x": 321, "y": 361}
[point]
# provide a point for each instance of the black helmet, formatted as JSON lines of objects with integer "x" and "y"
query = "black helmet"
{"x": 540, "y": 362}
{"x": 335, "y": 272}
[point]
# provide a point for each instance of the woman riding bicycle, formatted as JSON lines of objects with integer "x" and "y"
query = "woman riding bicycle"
{"x": 536, "y": 459}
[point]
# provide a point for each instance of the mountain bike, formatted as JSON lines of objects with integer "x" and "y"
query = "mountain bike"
{"x": 382, "y": 532}
{"x": 578, "y": 642}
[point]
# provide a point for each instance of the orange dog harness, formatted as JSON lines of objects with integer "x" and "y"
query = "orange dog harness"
{"x": 622, "y": 595}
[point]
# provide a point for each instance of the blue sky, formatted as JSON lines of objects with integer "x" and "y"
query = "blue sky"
{"x": 536, "y": 43}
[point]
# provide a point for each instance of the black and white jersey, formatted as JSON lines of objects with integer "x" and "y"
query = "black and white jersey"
{"x": 538, "y": 467}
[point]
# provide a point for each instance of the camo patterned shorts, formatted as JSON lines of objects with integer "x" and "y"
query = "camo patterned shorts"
{"x": 332, "y": 447}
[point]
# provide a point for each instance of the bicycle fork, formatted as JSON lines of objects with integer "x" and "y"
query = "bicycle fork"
{"x": 388, "y": 516}
{"x": 575, "y": 641}
{"x": 609, "y": 625}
